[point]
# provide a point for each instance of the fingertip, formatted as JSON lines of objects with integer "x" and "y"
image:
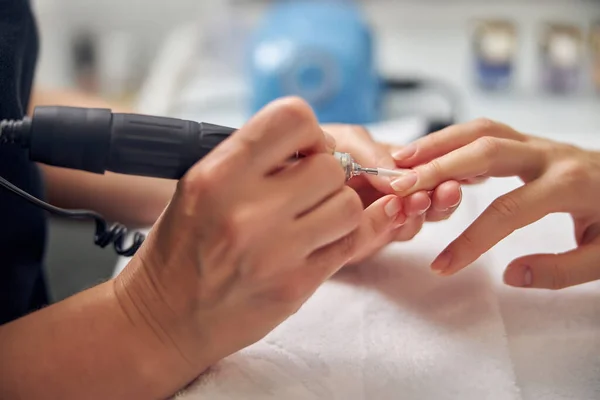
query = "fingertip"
{"x": 417, "y": 203}
{"x": 393, "y": 207}
{"x": 441, "y": 265}
{"x": 451, "y": 185}
{"x": 447, "y": 196}
{"x": 518, "y": 275}
{"x": 404, "y": 153}
{"x": 400, "y": 220}
{"x": 386, "y": 214}
{"x": 405, "y": 182}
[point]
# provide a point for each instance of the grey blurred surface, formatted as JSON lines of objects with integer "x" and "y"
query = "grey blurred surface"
{"x": 73, "y": 262}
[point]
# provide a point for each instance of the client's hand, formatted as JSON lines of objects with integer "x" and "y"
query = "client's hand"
{"x": 415, "y": 209}
{"x": 557, "y": 177}
{"x": 244, "y": 243}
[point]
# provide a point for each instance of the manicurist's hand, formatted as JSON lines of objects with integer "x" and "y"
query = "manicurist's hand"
{"x": 415, "y": 209}
{"x": 244, "y": 243}
{"x": 557, "y": 178}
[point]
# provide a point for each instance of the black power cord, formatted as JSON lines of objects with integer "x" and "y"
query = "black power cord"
{"x": 104, "y": 235}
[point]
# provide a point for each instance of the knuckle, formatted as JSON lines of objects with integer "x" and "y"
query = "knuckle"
{"x": 196, "y": 183}
{"x": 574, "y": 175}
{"x": 560, "y": 278}
{"x": 234, "y": 229}
{"x": 488, "y": 146}
{"x": 294, "y": 111}
{"x": 434, "y": 169}
{"x": 484, "y": 126}
{"x": 468, "y": 239}
{"x": 246, "y": 147}
{"x": 505, "y": 207}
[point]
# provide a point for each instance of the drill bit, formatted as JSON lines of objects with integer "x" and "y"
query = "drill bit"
{"x": 380, "y": 171}
{"x": 352, "y": 168}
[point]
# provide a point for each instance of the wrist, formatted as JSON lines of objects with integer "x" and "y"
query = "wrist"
{"x": 167, "y": 324}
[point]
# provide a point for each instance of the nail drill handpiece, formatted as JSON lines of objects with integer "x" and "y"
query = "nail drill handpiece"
{"x": 97, "y": 140}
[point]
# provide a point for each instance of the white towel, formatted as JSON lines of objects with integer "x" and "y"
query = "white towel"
{"x": 388, "y": 329}
{"x": 554, "y": 337}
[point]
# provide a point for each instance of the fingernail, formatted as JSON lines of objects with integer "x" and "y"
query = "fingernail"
{"x": 405, "y": 182}
{"x": 518, "y": 276}
{"x": 392, "y": 208}
{"x": 405, "y": 152}
{"x": 400, "y": 221}
{"x": 528, "y": 277}
{"x": 454, "y": 205}
{"x": 424, "y": 210}
{"x": 330, "y": 142}
{"x": 442, "y": 262}
{"x": 460, "y": 196}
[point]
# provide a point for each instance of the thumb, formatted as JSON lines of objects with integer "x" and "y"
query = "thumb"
{"x": 555, "y": 271}
{"x": 380, "y": 220}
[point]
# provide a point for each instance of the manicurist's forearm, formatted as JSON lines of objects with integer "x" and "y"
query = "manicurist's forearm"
{"x": 132, "y": 200}
{"x": 89, "y": 347}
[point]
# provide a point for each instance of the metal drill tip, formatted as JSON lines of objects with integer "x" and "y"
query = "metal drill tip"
{"x": 369, "y": 171}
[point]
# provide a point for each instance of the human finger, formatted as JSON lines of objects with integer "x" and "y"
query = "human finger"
{"x": 383, "y": 237}
{"x": 378, "y": 219}
{"x": 486, "y": 156}
{"x": 507, "y": 213}
{"x": 335, "y": 218}
{"x": 445, "y": 199}
{"x": 442, "y": 142}
{"x": 319, "y": 174}
{"x": 474, "y": 181}
{"x": 555, "y": 271}
{"x": 277, "y": 132}
{"x": 417, "y": 204}
{"x": 410, "y": 229}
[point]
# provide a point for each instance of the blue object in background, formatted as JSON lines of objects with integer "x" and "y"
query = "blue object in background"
{"x": 494, "y": 76}
{"x": 321, "y": 51}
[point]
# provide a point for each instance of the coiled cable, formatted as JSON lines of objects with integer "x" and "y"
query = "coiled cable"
{"x": 104, "y": 236}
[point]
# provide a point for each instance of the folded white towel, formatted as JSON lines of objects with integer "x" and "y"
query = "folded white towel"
{"x": 554, "y": 337}
{"x": 388, "y": 329}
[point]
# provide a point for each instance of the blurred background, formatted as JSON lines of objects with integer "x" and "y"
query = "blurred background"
{"x": 422, "y": 64}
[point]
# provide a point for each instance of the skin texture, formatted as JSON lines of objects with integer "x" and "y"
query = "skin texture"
{"x": 557, "y": 178}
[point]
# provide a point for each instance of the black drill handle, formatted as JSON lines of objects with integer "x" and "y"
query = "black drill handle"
{"x": 160, "y": 147}
{"x": 96, "y": 140}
